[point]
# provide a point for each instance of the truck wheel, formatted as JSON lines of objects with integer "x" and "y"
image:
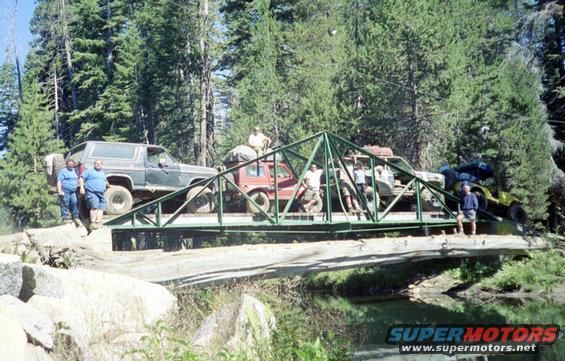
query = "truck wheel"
{"x": 118, "y": 200}
{"x": 262, "y": 201}
{"x": 429, "y": 201}
{"x": 369, "y": 197}
{"x": 517, "y": 213}
{"x": 55, "y": 165}
{"x": 203, "y": 203}
{"x": 483, "y": 202}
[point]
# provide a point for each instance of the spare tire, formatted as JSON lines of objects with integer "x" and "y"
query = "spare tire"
{"x": 200, "y": 203}
{"x": 118, "y": 200}
{"x": 53, "y": 164}
{"x": 517, "y": 213}
{"x": 262, "y": 201}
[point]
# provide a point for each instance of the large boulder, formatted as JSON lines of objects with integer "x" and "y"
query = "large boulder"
{"x": 65, "y": 236}
{"x": 236, "y": 326}
{"x": 37, "y": 325}
{"x": 14, "y": 243}
{"x": 12, "y": 337}
{"x": 104, "y": 314}
{"x": 10, "y": 275}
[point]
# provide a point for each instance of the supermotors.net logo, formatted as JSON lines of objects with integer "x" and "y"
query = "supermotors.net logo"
{"x": 479, "y": 339}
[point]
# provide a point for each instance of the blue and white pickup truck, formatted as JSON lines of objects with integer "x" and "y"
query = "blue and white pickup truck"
{"x": 136, "y": 172}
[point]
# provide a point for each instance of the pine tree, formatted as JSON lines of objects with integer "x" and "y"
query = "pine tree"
{"x": 8, "y": 102}
{"x": 23, "y": 184}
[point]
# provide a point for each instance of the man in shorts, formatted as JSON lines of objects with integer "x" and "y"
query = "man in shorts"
{"x": 92, "y": 185}
{"x": 469, "y": 204}
{"x": 312, "y": 181}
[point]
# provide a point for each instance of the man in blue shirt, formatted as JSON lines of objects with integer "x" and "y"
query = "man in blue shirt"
{"x": 67, "y": 182}
{"x": 93, "y": 184}
{"x": 469, "y": 204}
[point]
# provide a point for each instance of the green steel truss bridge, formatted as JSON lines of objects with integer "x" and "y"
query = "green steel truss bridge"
{"x": 332, "y": 154}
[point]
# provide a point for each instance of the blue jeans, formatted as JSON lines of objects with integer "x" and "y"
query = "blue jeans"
{"x": 69, "y": 201}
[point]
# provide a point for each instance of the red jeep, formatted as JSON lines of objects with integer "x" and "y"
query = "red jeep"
{"x": 258, "y": 181}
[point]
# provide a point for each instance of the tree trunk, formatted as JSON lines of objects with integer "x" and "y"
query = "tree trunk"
{"x": 56, "y": 123}
{"x": 68, "y": 52}
{"x": 203, "y": 158}
{"x": 11, "y": 18}
{"x": 109, "y": 43}
{"x": 420, "y": 143}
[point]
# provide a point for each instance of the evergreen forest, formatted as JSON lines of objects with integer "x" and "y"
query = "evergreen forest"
{"x": 439, "y": 82}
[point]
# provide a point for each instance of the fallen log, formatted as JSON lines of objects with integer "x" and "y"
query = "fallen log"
{"x": 223, "y": 264}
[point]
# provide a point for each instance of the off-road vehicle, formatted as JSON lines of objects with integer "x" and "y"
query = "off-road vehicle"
{"x": 483, "y": 181}
{"x": 136, "y": 172}
{"x": 390, "y": 182}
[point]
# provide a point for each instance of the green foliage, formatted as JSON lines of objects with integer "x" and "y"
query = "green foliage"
{"x": 8, "y": 102}
{"x": 23, "y": 185}
{"x": 162, "y": 344}
{"x": 473, "y": 271}
{"x": 541, "y": 271}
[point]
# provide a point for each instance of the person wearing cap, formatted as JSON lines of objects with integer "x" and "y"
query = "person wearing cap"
{"x": 258, "y": 141}
{"x": 67, "y": 183}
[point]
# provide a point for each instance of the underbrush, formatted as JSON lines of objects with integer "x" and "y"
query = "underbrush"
{"x": 540, "y": 271}
{"x": 302, "y": 333}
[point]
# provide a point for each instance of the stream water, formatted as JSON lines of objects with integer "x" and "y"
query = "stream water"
{"x": 371, "y": 319}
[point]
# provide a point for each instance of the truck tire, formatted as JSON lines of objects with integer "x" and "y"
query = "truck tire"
{"x": 201, "y": 204}
{"x": 430, "y": 201}
{"x": 483, "y": 202}
{"x": 118, "y": 200}
{"x": 369, "y": 197}
{"x": 262, "y": 201}
{"x": 517, "y": 213}
{"x": 53, "y": 167}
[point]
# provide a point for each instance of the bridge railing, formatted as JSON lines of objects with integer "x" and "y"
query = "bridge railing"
{"x": 326, "y": 150}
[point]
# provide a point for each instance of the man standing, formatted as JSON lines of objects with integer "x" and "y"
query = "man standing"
{"x": 93, "y": 184}
{"x": 259, "y": 141}
{"x": 312, "y": 183}
{"x": 67, "y": 182}
{"x": 469, "y": 204}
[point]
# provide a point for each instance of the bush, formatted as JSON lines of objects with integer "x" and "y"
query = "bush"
{"x": 542, "y": 271}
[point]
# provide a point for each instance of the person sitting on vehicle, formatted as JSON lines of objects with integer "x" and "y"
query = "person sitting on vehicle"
{"x": 312, "y": 181}
{"x": 469, "y": 204}
{"x": 93, "y": 184}
{"x": 259, "y": 141}
{"x": 67, "y": 182}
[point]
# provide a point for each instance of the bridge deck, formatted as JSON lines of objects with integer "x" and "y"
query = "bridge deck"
{"x": 299, "y": 221}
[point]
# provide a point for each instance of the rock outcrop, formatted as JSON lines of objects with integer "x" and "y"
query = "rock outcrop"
{"x": 37, "y": 325}
{"x": 10, "y": 275}
{"x": 98, "y": 316}
{"x": 13, "y": 339}
{"x": 97, "y": 310}
{"x": 236, "y": 326}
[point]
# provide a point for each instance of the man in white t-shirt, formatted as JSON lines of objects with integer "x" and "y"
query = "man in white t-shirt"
{"x": 258, "y": 141}
{"x": 312, "y": 181}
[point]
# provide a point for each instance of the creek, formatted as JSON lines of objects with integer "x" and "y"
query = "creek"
{"x": 371, "y": 318}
